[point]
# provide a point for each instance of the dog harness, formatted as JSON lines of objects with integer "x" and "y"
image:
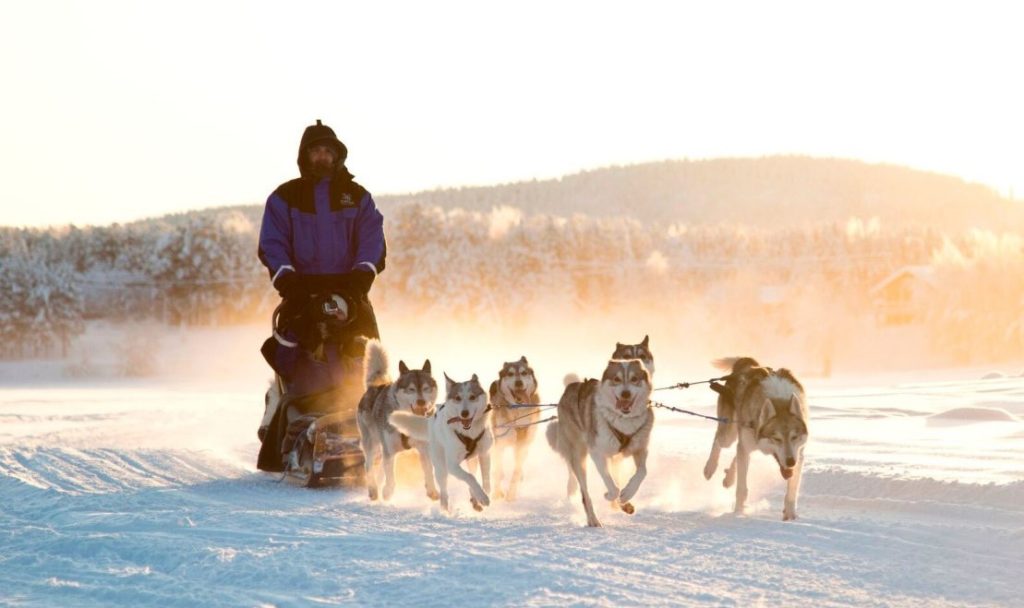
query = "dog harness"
{"x": 623, "y": 438}
{"x": 470, "y": 442}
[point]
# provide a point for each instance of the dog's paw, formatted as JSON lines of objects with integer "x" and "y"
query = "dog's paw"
{"x": 498, "y": 494}
{"x": 373, "y": 494}
{"x": 476, "y": 505}
{"x": 729, "y": 479}
{"x": 612, "y": 495}
{"x": 789, "y": 513}
{"x": 593, "y": 523}
{"x": 627, "y": 508}
{"x": 432, "y": 494}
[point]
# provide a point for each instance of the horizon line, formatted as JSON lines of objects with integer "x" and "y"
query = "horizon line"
{"x": 1009, "y": 197}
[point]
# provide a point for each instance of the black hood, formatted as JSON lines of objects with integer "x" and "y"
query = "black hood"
{"x": 322, "y": 134}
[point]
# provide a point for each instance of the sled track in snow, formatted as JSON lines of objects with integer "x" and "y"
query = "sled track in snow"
{"x": 101, "y": 506}
{"x": 99, "y": 526}
{"x": 102, "y": 471}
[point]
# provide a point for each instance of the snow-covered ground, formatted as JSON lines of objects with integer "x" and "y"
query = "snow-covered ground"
{"x": 144, "y": 492}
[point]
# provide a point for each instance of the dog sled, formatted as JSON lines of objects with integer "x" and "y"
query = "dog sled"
{"x": 324, "y": 452}
{"x": 312, "y": 440}
{"x": 312, "y": 437}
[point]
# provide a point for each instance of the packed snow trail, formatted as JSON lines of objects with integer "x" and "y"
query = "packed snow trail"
{"x": 126, "y": 495}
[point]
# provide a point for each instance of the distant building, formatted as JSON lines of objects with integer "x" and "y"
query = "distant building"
{"x": 903, "y": 297}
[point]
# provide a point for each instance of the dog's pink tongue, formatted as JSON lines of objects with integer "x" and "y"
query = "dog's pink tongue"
{"x": 466, "y": 422}
{"x": 624, "y": 404}
{"x": 786, "y": 472}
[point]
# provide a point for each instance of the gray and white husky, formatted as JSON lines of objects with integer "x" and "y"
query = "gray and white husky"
{"x": 604, "y": 419}
{"x": 415, "y": 391}
{"x": 767, "y": 411}
{"x": 460, "y": 430}
{"x": 640, "y": 351}
{"x": 516, "y": 385}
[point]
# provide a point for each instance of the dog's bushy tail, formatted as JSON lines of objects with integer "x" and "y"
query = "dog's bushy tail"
{"x": 552, "y": 434}
{"x": 413, "y": 425}
{"x": 570, "y": 378}
{"x": 730, "y": 364}
{"x": 376, "y": 364}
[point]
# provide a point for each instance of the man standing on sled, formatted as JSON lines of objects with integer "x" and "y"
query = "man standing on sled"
{"x": 322, "y": 241}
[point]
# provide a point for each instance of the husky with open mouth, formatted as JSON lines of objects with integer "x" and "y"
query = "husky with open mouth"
{"x": 459, "y": 431}
{"x": 414, "y": 391}
{"x": 604, "y": 419}
{"x": 514, "y": 426}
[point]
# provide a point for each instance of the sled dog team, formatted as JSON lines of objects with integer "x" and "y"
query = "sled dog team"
{"x": 763, "y": 409}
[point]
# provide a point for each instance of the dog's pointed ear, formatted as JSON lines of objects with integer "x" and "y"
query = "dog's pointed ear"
{"x": 402, "y": 367}
{"x": 767, "y": 412}
{"x": 646, "y": 340}
{"x": 448, "y": 383}
{"x": 426, "y": 366}
{"x": 522, "y": 360}
{"x": 475, "y": 379}
{"x": 794, "y": 406}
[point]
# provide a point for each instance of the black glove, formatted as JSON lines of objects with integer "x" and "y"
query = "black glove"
{"x": 356, "y": 283}
{"x": 291, "y": 286}
{"x": 360, "y": 281}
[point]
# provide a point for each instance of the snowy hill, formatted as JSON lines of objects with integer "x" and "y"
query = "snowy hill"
{"x": 774, "y": 191}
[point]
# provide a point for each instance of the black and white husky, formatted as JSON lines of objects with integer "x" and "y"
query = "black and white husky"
{"x": 460, "y": 430}
{"x": 415, "y": 391}
{"x": 604, "y": 419}
{"x": 514, "y": 426}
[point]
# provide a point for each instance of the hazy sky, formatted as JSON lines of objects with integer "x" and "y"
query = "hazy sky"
{"x": 113, "y": 111}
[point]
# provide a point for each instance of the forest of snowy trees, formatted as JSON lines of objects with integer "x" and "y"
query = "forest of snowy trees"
{"x": 499, "y": 264}
{"x": 512, "y": 264}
